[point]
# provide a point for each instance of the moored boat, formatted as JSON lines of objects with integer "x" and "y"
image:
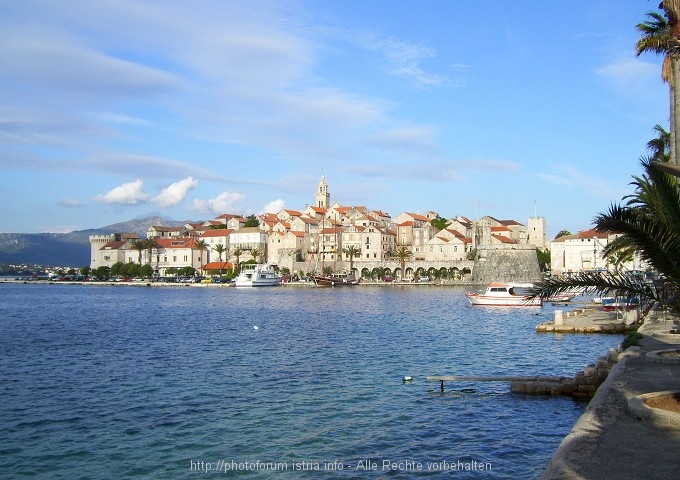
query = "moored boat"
{"x": 611, "y": 304}
{"x": 504, "y": 295}
{"x": 561, "y": 297}
{"x": 335, "y": 280}
{"x": 260, "y": 275}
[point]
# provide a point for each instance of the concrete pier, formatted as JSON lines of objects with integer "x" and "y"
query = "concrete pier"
{"x": 612, "y": 439}
{"x": 590, "y": 320}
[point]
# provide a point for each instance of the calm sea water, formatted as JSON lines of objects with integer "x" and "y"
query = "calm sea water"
{"x": 105, "y": 382}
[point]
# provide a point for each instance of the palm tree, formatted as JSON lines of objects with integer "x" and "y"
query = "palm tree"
{"x": 660, "y": 34}
{"x": 237, "y": 255}
{"x": 351, "y": 251}
{"x": 140, "y": 246}
{"x": 151, "y": 244}
{"x": 661, "y": 145}
{"x": 255, "y": 253}
{"x": 649, "y": 223}
{"x": 201, "y": 246}
{"x": 403, "y": 253}
{"x": 220, "y": 249}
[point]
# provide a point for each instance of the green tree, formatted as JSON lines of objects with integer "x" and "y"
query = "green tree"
{"x": 85, "y": 271}
{"x": 351, "y": 252}
{"x": 117, "y": 269}
{"x": 543, "y": 259}
{"x": 151, "y": 245}
{"x": 237, "y": 252}
{"x": 252, "y": 221}
{"x": 649, "y": 223}
{"x": 661, "y": 145}
{"x": 660, "y": 34}
{"x": 146, "y": 271}
{"x": 440, "y": 223}
{"x": 255, "y": 253}
{"x": 201, "y": 246}
{"x": 562, "y": 233}
{"x": 403, "y": 254}
{"x": 140, "y": 246}
{"x": 220, "y": 249}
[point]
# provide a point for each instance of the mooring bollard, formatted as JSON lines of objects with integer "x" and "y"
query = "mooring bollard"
{"x": 559, "y": 320}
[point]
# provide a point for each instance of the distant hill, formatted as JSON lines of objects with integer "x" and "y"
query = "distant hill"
{"x": 67, "y": 249}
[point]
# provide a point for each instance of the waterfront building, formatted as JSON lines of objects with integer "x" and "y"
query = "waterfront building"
{"x": 106, "y": 250}
{"x": 212, "y": 238}
{"x": 447, "y": 245}
{"x": 163, "y": 232}
{"x": 175, "y": 252}
{"x": 249, "y": 239}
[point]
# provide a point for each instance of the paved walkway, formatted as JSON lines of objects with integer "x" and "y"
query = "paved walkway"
{"x": 609, "y": 441}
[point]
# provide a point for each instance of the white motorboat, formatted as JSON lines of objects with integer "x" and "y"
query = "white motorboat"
{"x": 260, "y": 275}
{"x": 505, "y": 295}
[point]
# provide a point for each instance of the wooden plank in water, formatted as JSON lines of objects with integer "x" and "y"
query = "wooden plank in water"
{"x": 460, "y": 378}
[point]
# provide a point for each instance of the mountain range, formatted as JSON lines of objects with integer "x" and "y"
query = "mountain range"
{"x": 67, "y": 249}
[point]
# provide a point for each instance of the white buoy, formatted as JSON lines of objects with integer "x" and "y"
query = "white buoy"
{"x": 407, "y": 379}
{"x": 255, "y": 327}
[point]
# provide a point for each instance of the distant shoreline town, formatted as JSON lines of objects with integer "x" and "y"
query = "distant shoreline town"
{"x": 333, "y": 237}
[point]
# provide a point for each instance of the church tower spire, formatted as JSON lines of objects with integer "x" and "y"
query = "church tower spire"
{"x": 323, "y": 198}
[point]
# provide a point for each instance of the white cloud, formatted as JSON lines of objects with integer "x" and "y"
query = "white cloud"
{"x": 131, "y": 193}
{"x": 630, "y": 73}
{"x": 406, "y": 59}
{"x": 274, "y": 206}
{"x": 57, "y": 61}
{"x": 175, "y": 193}
{"x": 225, "y": 202}
{"x": 570, "y": 178}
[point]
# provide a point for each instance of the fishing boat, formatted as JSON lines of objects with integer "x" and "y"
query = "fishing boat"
{"x": 335, "y": 280}
{"x": 611, "y": 304}
{"x": 260, "y": 275}
{"x": 504, "y": 295}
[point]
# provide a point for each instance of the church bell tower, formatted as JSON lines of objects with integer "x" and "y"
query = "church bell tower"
{"x": 323, "y": 198}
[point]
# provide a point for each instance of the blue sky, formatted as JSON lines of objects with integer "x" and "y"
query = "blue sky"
{"x": 116, "y": 109}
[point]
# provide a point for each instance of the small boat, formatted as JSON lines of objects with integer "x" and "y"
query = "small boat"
{"x": 611, "y": 304}
{"x": 335, "y": 280}
{"x": 504, "y": 295}
{"x": 260, "y": 275}
{"x": 561, "y": 297}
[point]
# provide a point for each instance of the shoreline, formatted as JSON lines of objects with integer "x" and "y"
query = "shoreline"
{"x": 147, "y": 283}
{"x": 612, "y": 439}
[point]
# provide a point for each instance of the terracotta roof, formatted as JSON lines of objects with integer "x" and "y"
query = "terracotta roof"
{"x": 217, "y": 266}
{"x": 503, "y": 239}
{"x": 417, "y": 216}
{"x": 176, "y": 242}
{"x": 583, "y": 234}
{"x": 220, "y": 232}
{"x": 114, "y": 245}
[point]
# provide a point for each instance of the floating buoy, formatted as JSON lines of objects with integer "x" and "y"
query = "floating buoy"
{"x": 255, "y": 327}
{"x": 407, "y": 379}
